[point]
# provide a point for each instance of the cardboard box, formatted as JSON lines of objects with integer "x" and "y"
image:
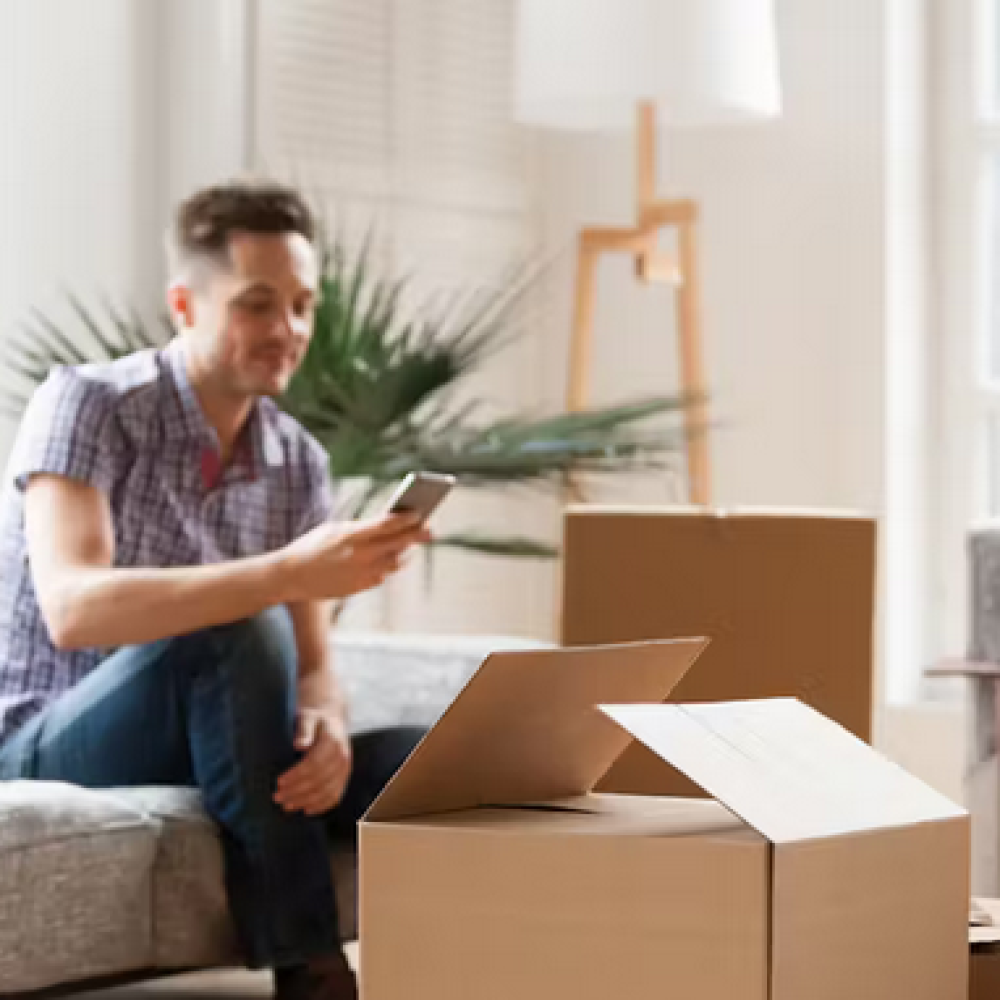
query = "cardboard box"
{"x": 984, "y": 950}
{"x": 490, "y": 870}
{"x": 787, "y": 598}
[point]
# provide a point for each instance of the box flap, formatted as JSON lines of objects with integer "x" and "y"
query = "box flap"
{"x": 634, "y": 816}
{"x": 783, "y": 768}
{"x": 527, "y": 727}
{"x": 719, "y": 513}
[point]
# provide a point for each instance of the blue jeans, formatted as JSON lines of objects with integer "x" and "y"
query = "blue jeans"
{"x": 216, "y": 709}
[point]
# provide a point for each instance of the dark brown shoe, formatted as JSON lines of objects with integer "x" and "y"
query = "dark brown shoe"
{"x": 326, "y": 978}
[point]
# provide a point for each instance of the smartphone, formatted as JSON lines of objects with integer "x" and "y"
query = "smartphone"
{"x": 421, "y": 493}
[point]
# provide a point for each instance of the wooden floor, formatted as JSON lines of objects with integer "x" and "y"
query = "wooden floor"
{"x": 229, "y": 985}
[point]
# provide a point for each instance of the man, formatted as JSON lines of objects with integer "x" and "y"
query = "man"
{"x": 168, "y": 558}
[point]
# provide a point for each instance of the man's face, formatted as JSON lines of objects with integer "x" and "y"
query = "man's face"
{"x": 253, "y": 319}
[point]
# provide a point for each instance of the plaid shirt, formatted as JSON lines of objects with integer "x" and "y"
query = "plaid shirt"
{"x": 134, "y": 429}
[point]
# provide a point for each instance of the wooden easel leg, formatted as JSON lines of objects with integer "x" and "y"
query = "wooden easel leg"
{"x": 581, "y": 337}
{"x": 693, "y": 366}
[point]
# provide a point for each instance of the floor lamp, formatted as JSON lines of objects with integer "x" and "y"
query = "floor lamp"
{"x": 604, "y": 64}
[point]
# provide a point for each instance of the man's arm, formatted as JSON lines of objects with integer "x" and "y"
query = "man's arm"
{"x": 88, "y": 602}
{"x": 317, "y": 782}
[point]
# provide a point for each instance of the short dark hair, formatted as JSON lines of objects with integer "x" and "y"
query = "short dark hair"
{"x": 205, "y": 222}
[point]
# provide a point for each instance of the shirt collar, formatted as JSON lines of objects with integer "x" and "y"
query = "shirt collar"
{"x": 186, "y": 419}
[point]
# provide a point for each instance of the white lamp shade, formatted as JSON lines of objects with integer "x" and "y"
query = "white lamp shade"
{"x": 584, "y": 64}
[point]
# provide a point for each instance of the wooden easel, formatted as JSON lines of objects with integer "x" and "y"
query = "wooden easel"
{"x": 652, "y": 267}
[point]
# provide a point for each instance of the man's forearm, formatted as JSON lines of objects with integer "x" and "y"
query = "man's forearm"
{"x": 98, "y": 607}
{"x": 319, "y": 687}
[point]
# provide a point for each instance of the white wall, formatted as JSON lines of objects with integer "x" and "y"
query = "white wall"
{"x": 75, "y": 175}
{"x": 205, "y": 94}
{"x": 110, "y": 110}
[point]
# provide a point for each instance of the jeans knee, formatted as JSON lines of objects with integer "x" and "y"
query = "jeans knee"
{"x": 259, "y": 652}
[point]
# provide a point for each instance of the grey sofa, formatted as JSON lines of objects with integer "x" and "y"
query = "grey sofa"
{"x": 127, "y": 883}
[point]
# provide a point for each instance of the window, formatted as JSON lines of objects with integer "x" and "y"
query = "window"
{"x": 983, "y": 171}
{"x": 966, "y": 131}
{"x": 398, "y": 113}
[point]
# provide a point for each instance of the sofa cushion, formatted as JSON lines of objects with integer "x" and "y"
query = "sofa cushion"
{"x": 75, "y": 884}
{"x": 191, "y": 922}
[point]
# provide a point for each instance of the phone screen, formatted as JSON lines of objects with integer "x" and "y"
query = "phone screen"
{"x": 421, "y": 493}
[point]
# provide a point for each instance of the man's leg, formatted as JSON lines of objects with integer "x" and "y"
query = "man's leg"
{"x": 377, "y": 756}
{"x": 215, "y": 709}
{"x": 124, "y": 724}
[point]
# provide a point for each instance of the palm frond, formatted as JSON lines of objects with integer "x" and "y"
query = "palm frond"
{"x": 511, "y": 546}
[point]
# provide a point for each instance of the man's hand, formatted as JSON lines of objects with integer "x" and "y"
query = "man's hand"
{"x": 316, "y": 783}
{"x": 337, "y": 560}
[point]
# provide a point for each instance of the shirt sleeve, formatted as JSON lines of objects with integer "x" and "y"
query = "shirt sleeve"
{"x": 317, "y": 500}
{"x": 68, "y": 429}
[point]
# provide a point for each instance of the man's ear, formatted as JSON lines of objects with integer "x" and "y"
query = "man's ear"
{"x": 180, "y": 298}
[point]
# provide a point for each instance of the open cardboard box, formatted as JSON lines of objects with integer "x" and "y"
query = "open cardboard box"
{"x": 817, "y": 871}
{"x": 787, "y": 597}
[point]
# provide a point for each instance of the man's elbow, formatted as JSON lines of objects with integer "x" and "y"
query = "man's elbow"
{"x": 65, "y": 640}
{"x": 65, "y": 625}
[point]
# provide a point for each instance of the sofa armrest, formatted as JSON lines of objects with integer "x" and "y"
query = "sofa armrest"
{"x": 963, "y": 668}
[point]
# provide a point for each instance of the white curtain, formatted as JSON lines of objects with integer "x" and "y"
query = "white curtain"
{"x": 397, "y": 114}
